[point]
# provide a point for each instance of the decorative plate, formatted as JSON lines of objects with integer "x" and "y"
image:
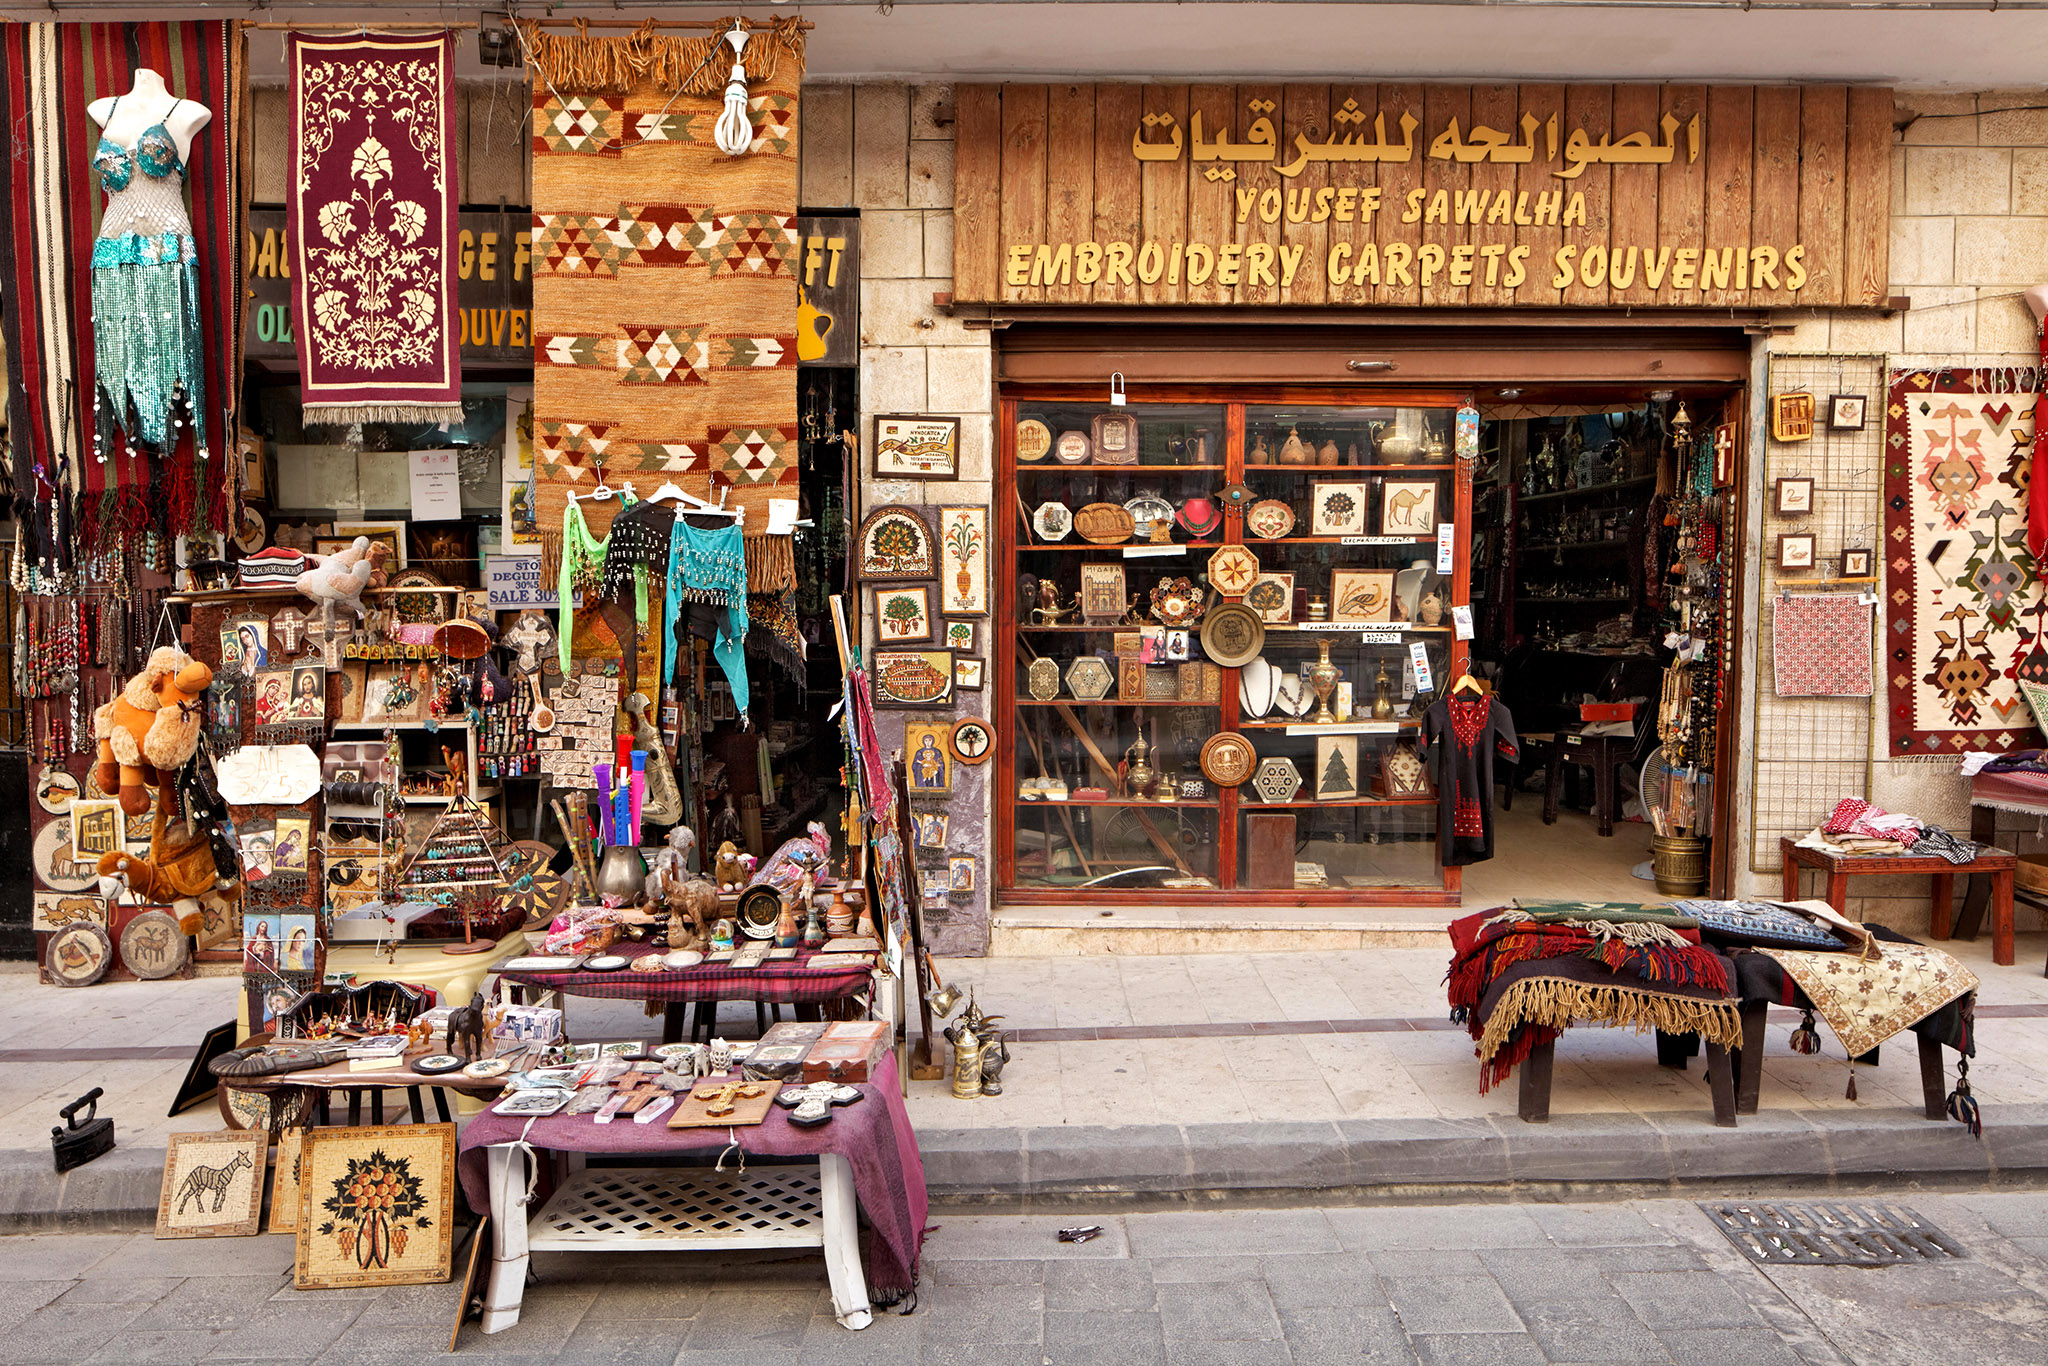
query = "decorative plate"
{"x": 1269, "y": 519}
{"x": 1072, "y": 448}
{"x": 1104, "y": 523}
{"x": 1146, "y": 510}
{"x": 1228, "y": 759}
{"x": 79, "y": 956}
{"x": 1233, "y": 635}
{"x": 973, "y": 741}
{"x": 1200, "y": 516}
{"x": 1276, "y": 780}
{"x": 606, "y": 962}
{"x": 677, "y": 960}
{"x": 485, "y": 1068}
{"x": 1034, "y": 440}
{"x": 436, "y": 1063}
{"x": 56, "y": 790}
{"x": 895, "y": 543}
{"x": 1052, "y": 521}
{"x": 1272, "y": 597}
{"x": 528, "y": 884}
{"x": 416, "y": 578}
{"x": 55, "y": 865}
{"x": 152, "y": 946}
{"x": 1237, "y": 497}
{"x": 1044, "y": 678}
{"x": 1232, "y": 570}
{"x": 759, "y": 910}
{"x": 251, "y": 531}
{"x": 1090, "y": 678}
{"x": 1177, "y": 602}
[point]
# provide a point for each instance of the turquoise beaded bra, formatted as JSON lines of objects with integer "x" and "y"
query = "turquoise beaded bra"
{"x": 156, "y": 152}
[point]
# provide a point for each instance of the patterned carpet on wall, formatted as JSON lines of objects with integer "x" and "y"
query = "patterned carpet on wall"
{"x": 1965, "y": 618}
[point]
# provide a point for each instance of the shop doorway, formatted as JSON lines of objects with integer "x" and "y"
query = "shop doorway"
{"x": 1605, "y": 553}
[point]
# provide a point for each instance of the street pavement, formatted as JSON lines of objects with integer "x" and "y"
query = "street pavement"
{"x": 1648, "y": 1281}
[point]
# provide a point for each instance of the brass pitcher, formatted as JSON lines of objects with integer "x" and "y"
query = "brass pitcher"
{"x": 1139, "y": 775}
{"x": 1322, "y": 676}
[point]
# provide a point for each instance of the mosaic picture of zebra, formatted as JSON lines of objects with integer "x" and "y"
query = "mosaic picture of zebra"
{"x": 213, "y": 1185}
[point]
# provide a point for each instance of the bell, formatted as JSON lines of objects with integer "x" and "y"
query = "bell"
{"x": 944, "y": 1000}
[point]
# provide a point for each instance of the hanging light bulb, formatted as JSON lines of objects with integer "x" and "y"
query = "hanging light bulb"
{"x": 734, "y": 131}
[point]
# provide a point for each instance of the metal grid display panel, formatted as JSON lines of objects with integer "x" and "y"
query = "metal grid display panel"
{"x": 682, "y": 1208}
{"x": 1811, "y": 750}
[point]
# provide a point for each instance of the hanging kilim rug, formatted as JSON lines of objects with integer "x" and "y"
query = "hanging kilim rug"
{"x": 52, "y": 206}
{"x": 1820, "y": 645}
{"x": 372, "y": 226}
{"x": 1964, "y": 615}
{"x": 664, "y": 270}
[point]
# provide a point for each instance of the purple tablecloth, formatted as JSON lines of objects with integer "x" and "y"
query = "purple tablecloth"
{"x": 873, "y": 1134}
{"x": 788, "y": 982}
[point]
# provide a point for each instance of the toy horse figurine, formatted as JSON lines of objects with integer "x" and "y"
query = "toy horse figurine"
{"x": 466, "y": 1028}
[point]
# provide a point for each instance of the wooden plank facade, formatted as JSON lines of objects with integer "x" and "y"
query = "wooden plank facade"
{"x": 1537, "y": 195}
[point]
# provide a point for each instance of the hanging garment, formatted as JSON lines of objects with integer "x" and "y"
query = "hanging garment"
{"x": 710, "y": 567}
{"x": 1461, "y": 735}
{"x": 636, "y": 550}
{"x": 583, "y": 561}
{"x": 148, "y": 357}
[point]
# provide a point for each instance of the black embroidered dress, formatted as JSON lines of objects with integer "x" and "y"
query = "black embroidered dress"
{"x": 1460, "y": 736}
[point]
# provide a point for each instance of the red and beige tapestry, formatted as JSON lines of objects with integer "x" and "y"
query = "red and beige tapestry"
{"x": 371, "y": 218}
{"x": 664, "y": 270}
{"x": 1820, "y": 645}
{"x": 1965, "y": 617}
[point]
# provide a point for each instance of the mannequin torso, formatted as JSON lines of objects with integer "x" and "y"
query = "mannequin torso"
{"x": 147, "y": 104}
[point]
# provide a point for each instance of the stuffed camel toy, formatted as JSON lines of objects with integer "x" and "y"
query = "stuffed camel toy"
{"x": 149, "y": 731}
{"x": 180, "y": 873}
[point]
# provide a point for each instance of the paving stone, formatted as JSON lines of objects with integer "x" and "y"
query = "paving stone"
{"x": 1720, "y": 1346}
{"x": 373, "y": 1342}
{"x": 1271, "y": 1352}
{"x": 1123, "y": 1287}
{"x": 1235, "y": 1233}
{"x": 1629, "y": 1341}
{"x": 1312, "y": 1281}
{"x": 983, "y": 1314}
{"x": 1450, "y": 1227}
{"x": 890, "y": 1340}
{"x": 727, "y": 1356}
{"x": 268, "y": 1254}
{"x": 1090, "y": 1157}
{"x": 104, "y": 1289}
{"x": 219, "y": 1302}
{"x": 983, "y": 1272}
{"x": 1451, "y": 1304}
{"x": 749, "y": 1320}
{"x": 66, "y": 1332}
{"x": 298, "y": 1330}
{"x": 1230, "y": 1311}
{"x": 57, "y": 1256}
{"x": 1597, "y": 1226}
{"x": 1646, "y": 1258}
{"x": 1477, "y": 1349}
{"x": 1419, "y": 1261}
{"x": 1544, "y": 1273}
{"x": 19, "y": 1299}
{"x": 1026, "y": 1237}
{"x": 1677, "y": 1299}
{"x": 1173, "y": 1270}
{"x": 951, "y": 1354}
{"x": 175, "y": 1344}
{"x": 1111, "y": 1339}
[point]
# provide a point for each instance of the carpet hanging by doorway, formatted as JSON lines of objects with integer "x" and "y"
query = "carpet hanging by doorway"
{"x": 1820, "y": 645}
{"x": 664, "y": 288}
{"x": 372, "y": 227}
{"x": 1965, "y": 617}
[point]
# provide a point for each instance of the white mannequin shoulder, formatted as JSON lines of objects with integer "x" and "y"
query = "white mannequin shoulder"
{"x": 143, "y": 107}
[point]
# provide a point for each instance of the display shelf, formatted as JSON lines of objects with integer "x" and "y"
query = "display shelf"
{"x": 1552, "y": 547}
{"x": 1587, "y": 490}
{"x": 1366, "y": 542}
{"x": 1043, "y": 468}
{"x": 1330, "y": 727}
{"x": 401, "y": 725}
{"x": 1145, "y": 803}
{"x": 1155, "y": 547}
{"x": 1326, "y": 628}
{"x": 1246, "y": 805}
{"x": 482, "y": 794}
{"x": 1344, "y": 469}
{"x": 1106, "y": 702}
{"x": 1575, "y": 602}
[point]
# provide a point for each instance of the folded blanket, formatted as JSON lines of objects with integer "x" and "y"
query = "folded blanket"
{"x": 1486, "y": 945}
{"x": 1530, "y": 1004}
{"x": 1614, "y": 912}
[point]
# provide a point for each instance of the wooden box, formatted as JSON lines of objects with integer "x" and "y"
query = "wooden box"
{"x": 848, "y": 1052}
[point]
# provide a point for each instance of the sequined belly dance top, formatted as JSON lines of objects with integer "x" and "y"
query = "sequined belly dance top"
{"x": 149, "y": 366}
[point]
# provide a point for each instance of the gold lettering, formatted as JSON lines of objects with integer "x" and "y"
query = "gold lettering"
{"x": 1368, "y": 203}
{"x": 1052, "y": 266}
{"x": 522, "y": 255}
{"x": 1563, "y": 261}
{"x": 1763, "y": 267}
{"x": 1575, "y": 210}
{"x": 1439, "y": 208}
{"x": 1472, "y": 205}
{"x": 1621, "y": 271}
{"x": 1593, "y": 266}
{"x": 1716, "y": 266}
{"x": 1347, "y": 203}
{"x": 1547, "y": 205}
{"x": 1429, "y": 260}
{"x": 1245, "y": 199}
{"x": 497, "y": 326}
{"x": 1503, "y": 208}
{"x": 1399, "y": 254}
{"x": 1229, "y": 264}
{"x": 1117, "y": 269}
{"x": 1087, "y": 263}
{"x": 1682, "y": 268}
{"x": 1795, "y": 266}
{"x": 814, "y": 258}
{"x": 1340, "y": 264}
{"x": 1324, "y": 199}
{"x": 1298, "y": 202}
{"x": 1461, "y": 265}
{"x": 487, "y": 256}
{"x": 465, "y": 254}
{"x": 1173, "y": 264}
{"x": 1413, "y": 214}
{"x": 1269, "y": 206}
{"x": 1258, "y": 264}
{"x": 1522, "y": 219}
{"x": 1151, "y": 263}
{"x": 1367, "y": 272}
{"x": 1201, "y": 263}
{"x": 266, "y": 259}
{"x": 519, "y": 337}
{"x": 1515, "y": 272}
{"x": 1654, "y": 265}
{"x": 1491, "y": 254}
{"x": 1290, "y": 261}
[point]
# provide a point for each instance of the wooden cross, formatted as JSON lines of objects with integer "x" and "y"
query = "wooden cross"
{"x": 726, "y": 1098}
{"x": 1724, "y": 453}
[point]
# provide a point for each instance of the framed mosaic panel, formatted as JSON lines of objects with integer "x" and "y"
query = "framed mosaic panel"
{"x": 914, "y": 447}
{"x": 895, "y": 544}
{"x": 213, "y": 1185}
{"x": 284, "y": 1181}
{"x": 963, "y": 552}
{"x": 903, "y": 612}
{"x": 376, "y": 1206}
{"x": 913, "y": 678}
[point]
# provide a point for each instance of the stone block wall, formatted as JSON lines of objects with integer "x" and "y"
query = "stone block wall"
{"x": 887, "y": 150}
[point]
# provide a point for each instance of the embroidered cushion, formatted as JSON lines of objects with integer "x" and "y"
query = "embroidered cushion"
{"x": 1759, "y": 923}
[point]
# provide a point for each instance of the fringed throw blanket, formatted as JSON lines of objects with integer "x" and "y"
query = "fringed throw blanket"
{"x": 665, "y": 288}
{"x": 373, "y": 197}
{"x": 1866, "y": 1000}
{"x": 152, "y": 477}
{"x": 1966, "y": 618}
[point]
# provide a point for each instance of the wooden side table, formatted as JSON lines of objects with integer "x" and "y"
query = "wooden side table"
{"x": 1998, "y": 863}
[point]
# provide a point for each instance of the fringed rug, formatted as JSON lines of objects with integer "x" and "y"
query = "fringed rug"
{"x": 373, "y": 196}
{"x": 49, "y": 74}
{"x": 1965, "y": 616}
{"x": 1820, "y": 645}
{"x": 664, "y": 289}
{"x": 1867, "y": 1000}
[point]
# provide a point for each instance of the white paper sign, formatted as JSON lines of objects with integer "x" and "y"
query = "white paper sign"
{"x": 1446, "y": 543}
{"x": 1418, "y": 655}
{"x": 436, "y": 487}
{"x": 1461, "y": 622}
{"x": 515, "y": 581}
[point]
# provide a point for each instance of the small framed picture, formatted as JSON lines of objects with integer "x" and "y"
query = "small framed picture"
{"x": 960, "y": 874}
{"x": 1362, "y": 595}
{"x": 1856, "y": 564}
{"x": 931, "y": 829}
{"x": 1795, "y": 497}
{"x": 1408, "y": 507}
{"x": 1792, "y": 417}
{"x": 1795, "y": 552}
{"x": 967, "y": 674}
{"x": 1337, "y": 509}
{"x": 927, "y": 760}
{"x": 1846, "y": 412}
{"x": 903, "y": 613}
{"x": 913, "y": 447}
{"x": 959, "y": 635}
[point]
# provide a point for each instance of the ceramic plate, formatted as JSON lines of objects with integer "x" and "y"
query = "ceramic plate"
{"x": 606, "y": 962}
{"x": 1034, "y": 440}
{"x": 1052, "y": 521}
{"x": 1269, "y": 519}
{"x": 487, "y": 1068}
{"x": 682, "y": 958}
{"x": 1147, "y": 510}
{"x": 436, "y": 1063}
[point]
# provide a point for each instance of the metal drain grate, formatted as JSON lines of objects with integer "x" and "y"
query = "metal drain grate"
{"x": 1830, "y": 1235}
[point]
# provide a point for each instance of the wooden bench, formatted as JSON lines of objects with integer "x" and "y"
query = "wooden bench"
{"x": 1839, "y": 868}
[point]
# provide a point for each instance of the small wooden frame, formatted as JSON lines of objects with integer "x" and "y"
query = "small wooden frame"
{"x": 1856, "y": 563}
{"x": 903, "y": 613}
{"x": 1794, "y": 497}
{"x": 911, "y": 446}
{"x": 1847, "y": 412}
{"x": 213, "y": 1184}
{"x": 1796, "y": 552}
{"x": 1792, "y": 417}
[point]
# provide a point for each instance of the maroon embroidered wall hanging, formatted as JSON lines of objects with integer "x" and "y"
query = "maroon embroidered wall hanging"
{"x": 372, "y": 223}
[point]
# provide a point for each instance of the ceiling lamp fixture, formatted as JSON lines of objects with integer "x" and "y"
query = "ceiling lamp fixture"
{"x": 734, "y": 131}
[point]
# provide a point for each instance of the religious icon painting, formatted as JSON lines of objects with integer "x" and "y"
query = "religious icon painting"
{"x": 931, "y": 829}
{"x": 294, "y": 834}
{"x": 960, "y": 874}
{"x": 1724, "y": 455}
{"x": 258, "y": 838}
{"x": 903, "y": 613}
{"x": 309, "y": 694}
{"x": 376, "y": 1206}
{"x": 963, "y": 551}
{"x": 1847, "y": 412}
{"x": 895, "y": 544}
{"x": 914, "y": 447}
{"x": 245, "y": 644}
{"x": 288, "y": 631}
{"x": 213, "y": 1185}
{"x": 1408, "y": 507}
{"x": 260, "y": 943}
{"x": 1337, "y": 509}
{"x": 927, "y": 758}
{"x": 273, "y": 697}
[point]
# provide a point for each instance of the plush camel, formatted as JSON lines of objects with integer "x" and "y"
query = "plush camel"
{"x": 179, "y": 872}
{"x": 149, "y": 731}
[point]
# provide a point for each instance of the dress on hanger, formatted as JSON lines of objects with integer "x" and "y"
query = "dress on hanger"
{"x": 1466, "y": 733}
{"x": 147, "y": 349}
{"x": 710, "y": 567}
{"x": 583, "y": 557}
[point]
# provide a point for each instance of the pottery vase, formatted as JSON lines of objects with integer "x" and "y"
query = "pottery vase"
{"x": 1322, "y": 676}
{"x": 1258, "y": 454}
{"x": 1326, "y": 454}
{"x": 1430, "y": 611}
{"x": 1295, "y": 451}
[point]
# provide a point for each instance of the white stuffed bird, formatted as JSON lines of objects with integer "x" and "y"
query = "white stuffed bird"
{"x": 339, "y": 578}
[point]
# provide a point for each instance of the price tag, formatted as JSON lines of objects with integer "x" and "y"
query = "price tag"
{"x": 1418, "y": 655}
{"x": 1461, "y": 622}
{"x": 1379, "y": 638}
{"x": 1446, "y": 544}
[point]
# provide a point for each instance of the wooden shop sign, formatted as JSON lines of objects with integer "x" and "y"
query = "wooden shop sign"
{"x": 494, "y": 287}
{"x": 1437, "y": 195}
